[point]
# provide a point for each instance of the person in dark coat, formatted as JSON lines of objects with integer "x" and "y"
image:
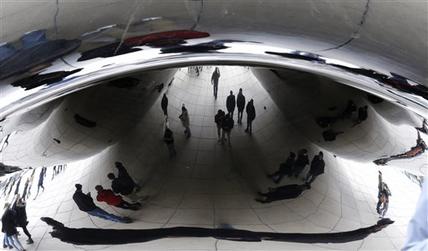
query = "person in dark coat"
{"x": 123, "y": 184}
{"x": 227, "y": 126}
{"x": 230, "y": 104}
{"x": 251, "y": 115}
{"x": 240, "y": 104}
{"x": 168, "y": 138}
{"x": 282, "y": 193}
{"x": 285, "y": 168}
{"x": 164, "y": 104}
{"x": 301, "y": 161}
{"x": 214, "y": 81}
{"x": 317, "y": 168}
{"x": 218, "y": 119}
{"x": 9, "y": 225}
{"x": 21, "y": 217}
{"x": 86, "y": 204}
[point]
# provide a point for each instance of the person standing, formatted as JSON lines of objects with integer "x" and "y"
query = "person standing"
{"x": 112, "y": 199}
{"x": 317, "y": 168}
{"x": 214, "y": 81}
{"x": 168, "y": 138}
{"x": 184, "y": 118}
{"x": 9, "y": 229}
{"x": 251, "y": 115}
{"x": 227, "y": 126}
{"x": 301, "y": 161}
{"x": 86, "y": 204}
{"x": 230, "y": 104}
{"x": 218, "y": 119}
{"x": 21, "y": 217}
{"x": 164, "y": 104}
{"x": 240, "y": 104}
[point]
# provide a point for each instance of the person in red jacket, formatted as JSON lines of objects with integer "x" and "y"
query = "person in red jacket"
{"x": 112, "y": 199}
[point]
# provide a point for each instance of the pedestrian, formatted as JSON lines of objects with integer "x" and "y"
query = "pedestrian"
{"x": 164, "y": 104}
{"x": 285, "y": 168}
{"x": 41, "y": 179}
{"x": 251, "y": 115}
{"x": 301, "y": 161}
{"x": 86, "y": 204}
{"x": 168, "y": 138}
{"x": 112, "y": 199}
{"x": 230, "y": 104}
{"x": 53, "y": 172}
{"x": 184, "y": 118}
{"x": 214, "y": 81}
{"x": 9, "y": 229}
{"x": 317, "y": 168}
{"x": 21, "y": 216}
{"x": 123, "y": 183}
{"x": 227, "y": 126}
{"x": 26, "y": 186}
{"x": 383, "y": 197}
{"x": 240, "y": 104}
{"x": 218, "y": 119}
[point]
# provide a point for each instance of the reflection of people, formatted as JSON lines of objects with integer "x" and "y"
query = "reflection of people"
{"x": 168, "y": 138}
{"x": 184, "y": 118}
{"x": 417, "y": 230}
{"x": 86, "y": 204}
{"x": 164, "y": 104}
{"x": 123, "y": 183}
{"x": 230, "y": 104}
{"x": 227, "y": 126}
{"x": 251, "y": 115}
{"x": 282, "y": 193}
{"x": 383, "y": 197}
{"x": 112, "y": 199}
{"x": 285, "y": 168}
{"x": 240, "y": 104}
{"x": 362, "y": 115}
{"x": 218, "y": 119}
{"x": 301, "y": 161}
{"x": 317, "y": 168}
{"x": 330, "y": 134}
{"x": 214, "y": 81}
{"x": 21, "y": 216}
{"x": 9, "y": 229}
{"x": 350, "y": 108}
{"x": 41, "y": 179}
{"x": 424, "y": 127}
{"x": 416, "y": 150}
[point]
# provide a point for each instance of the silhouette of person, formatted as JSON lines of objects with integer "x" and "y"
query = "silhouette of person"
{"x": 41, "y": 180}
{"x": 285, "y": 168}
{"x": 21, "y": 216}
{"x": 251, "y": 115}
{"x": 164, "y": 104}
{"x": 9, "y": 225}
{"x": 53, "y": 172}
{"x": 168, "y": 138}
{"x": 218, "y": 119}
{"x": 227, "y": 126}
{"x": 184, "y": 118}
{"x": 317, "y": 168}
{"x": 5, "y": 143}
{"x": 214, "y": 81}
{"x": 240, "y": 104}
{"x": 112, "y": 199}
{"x": 282, "y": 193}
{"x": 123, "y": 183}
{"x": 230, "y": 104}
{"x": 301, "y": 161}
{"x": 86, "y": 204}
{"x": 362, "y": 115}
{"x": 383, "y": 197}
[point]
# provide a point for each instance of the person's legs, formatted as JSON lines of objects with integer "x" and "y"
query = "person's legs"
{"x": 98, "y": 212}
{"x": 223, "y": 136}
{"x": 24, "y": 228}
{"x": 250, "y": 126}
{"x": 6, "y": 242}
{"x": 228, "y": 137}
{"x": 15, "y": 242}
{"x": 218, "y": 132}
{"x": 384, "y": 208}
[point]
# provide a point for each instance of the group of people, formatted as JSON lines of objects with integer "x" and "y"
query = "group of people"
{"x": 14, "y": 216}
{"x": 224, "y": 121}
{"x": 122, "y": 185}
{"x": 293, "y": 167}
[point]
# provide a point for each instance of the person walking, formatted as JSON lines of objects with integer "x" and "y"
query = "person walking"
{"x": 218, "y": 119}
{"x": 227, "y": 126}
{"x": 41, "y": 180}
{"x": 251, "y": 115}
{"x": 168, "y": 138}
{"x": 164, "y": 104}
{"x": 86, "y": 204}
{"x": 301, "y": 162}
{"x": 184, "y": 118}
{"x": 230, "y": 104}
{"x": 9, "y": 229}
{"x": 112, "y": 199}
{"x": 240, "y": 104}
{"x": 21, "y": 216}
{"x": 214, "y": 81}
{"x": 317, "y": 168}
{"x": 123, "y": 183}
